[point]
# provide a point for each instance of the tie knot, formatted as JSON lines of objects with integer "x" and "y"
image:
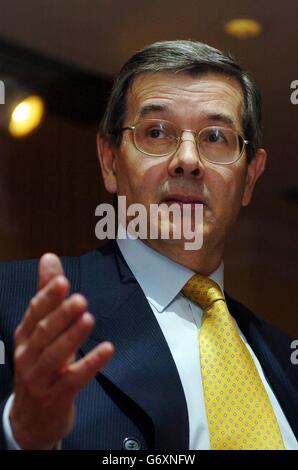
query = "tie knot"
{"x": 202, "y": 290}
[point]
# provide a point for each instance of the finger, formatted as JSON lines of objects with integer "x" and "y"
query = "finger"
{"x": 52, "y": 326}
{"x": 53, "y": 359}
{"x": 42, "y": 304}
{"x": 49, "y": 267}
{"x": 81, "y": 372}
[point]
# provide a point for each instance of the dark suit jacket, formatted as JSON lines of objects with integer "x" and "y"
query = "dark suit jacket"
{"x": 138, "y": 394}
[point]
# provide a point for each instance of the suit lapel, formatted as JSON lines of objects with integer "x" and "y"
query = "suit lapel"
{"x": 142, "y": 367}
{"x": 272, "y": 349}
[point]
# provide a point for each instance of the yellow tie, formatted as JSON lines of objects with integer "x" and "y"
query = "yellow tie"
{"x": 239, "y": 412}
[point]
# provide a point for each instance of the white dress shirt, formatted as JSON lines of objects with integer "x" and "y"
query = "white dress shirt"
{"x": 161, "y": 280}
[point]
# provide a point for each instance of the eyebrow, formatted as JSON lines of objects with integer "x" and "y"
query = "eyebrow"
{"x": 151, "y": 108}
{"x": 219, "y": 117}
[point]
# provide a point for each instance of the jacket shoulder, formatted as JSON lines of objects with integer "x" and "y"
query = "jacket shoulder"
{"x": 265, "y": 339}
{"x": 18, "y": 284}
{"x": 20, "y": 277}
{"x": 245, "y": 317}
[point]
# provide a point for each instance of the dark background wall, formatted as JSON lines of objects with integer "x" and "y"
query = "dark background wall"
{"x": 50, "y": 182}
{"x": 50, "y": 185}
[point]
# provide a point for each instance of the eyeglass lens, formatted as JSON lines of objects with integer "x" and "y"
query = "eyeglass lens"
{"x": 217, "y": 144}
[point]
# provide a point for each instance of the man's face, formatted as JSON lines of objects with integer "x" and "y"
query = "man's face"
{"x": 190, "y": 103}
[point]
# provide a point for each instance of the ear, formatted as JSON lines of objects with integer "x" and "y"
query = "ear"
{"x": 254, "y": 170}
{"x": 106, "y": 156}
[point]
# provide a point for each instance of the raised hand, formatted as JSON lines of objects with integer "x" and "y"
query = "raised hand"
{"x": 47, "y": 378}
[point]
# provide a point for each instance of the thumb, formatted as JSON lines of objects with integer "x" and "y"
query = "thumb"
{"x": 49, "y": 267}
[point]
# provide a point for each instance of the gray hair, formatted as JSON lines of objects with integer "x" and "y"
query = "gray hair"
{"x": 190, "y": 57}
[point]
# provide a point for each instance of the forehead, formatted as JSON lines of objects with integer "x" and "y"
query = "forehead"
{"x": 184, "y": 96}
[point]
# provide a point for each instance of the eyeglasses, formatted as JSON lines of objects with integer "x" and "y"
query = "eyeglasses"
{"x": 158, "y": 138}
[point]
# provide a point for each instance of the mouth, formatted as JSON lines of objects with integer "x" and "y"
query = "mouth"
{"x": 183, "y": 199}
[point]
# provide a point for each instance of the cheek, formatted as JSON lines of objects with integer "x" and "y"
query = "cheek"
{"x": 228, "y": 187}
{"x": 138, "y": 178}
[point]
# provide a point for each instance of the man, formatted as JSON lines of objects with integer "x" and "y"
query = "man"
{"x": 182, "y": 125}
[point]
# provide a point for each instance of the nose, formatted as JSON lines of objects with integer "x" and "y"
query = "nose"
{"x": 186, "y": 161}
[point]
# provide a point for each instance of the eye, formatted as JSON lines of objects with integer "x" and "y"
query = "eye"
{"x": 215, "y": 136}
{"x": 155, "y": 133}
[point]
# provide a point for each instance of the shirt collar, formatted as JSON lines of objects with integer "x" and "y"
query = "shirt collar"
{"x": 160, "y": 278}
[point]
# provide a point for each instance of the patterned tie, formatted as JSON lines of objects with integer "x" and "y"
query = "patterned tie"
{"x": 239, "y": 412}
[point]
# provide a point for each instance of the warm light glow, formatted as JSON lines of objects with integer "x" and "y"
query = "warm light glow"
{"x": 26, "y": 116}
{"x": 243, "y": 28}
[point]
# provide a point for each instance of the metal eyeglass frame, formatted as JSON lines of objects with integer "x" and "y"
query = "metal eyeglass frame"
{"x": 196, "y": 135}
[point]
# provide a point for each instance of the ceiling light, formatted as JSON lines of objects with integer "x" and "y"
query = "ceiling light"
{"x": 243, "y": 28}
{"x": 26, "y": 116}
{"x": 22, "y": 111}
